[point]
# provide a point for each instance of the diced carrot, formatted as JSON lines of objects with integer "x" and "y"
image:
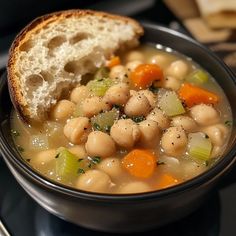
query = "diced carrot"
{"x": 113, "y": 62}
{"x": 145, "y": 74}
{"x": 193, "y": 95}
{"x": 140, "y": 163}
{"x": 167, "y": 181}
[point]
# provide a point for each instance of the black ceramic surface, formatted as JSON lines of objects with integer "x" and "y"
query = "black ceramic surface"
{"x": 124, "y": 214}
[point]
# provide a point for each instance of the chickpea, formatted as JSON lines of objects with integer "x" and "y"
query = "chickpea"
{"x": 94, "y": 105}
{"x": 76, "y": 129}
{"x": 150, "y": 133}
{"x": 125, "y": 133}
{"x": 78, "y": 94}
{"x": 137, "y": 105}
{"x": 134, "y": 56}
{"x": 100, "y": 144}
{"x": 157, "y": 115}
{"x": 217, "y": 133}
{"x": 43, "y": 158}
{"x": 62, "y": 110}
{"x": 94, "y": 181}
{"x": 119, "y": 73}
{"x": 135, "y": 187}
{"x": 150, "y": 97}
{"x": 186, "y": 122}
{"x": 174, "y": 141}
{"x": 131, "y": 66}
{"x": 177, "y": 69}
{"x": 171, "y": 82}
{"x": 160, "y": 60}
{"x": 78, "y": 150}
{"x": 204, "y": 114}
{"x": 111, "y": 166}
{"x": 117, "y": 94}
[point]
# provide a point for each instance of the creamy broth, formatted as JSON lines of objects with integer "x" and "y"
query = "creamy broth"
{"x": 40, "y": 144}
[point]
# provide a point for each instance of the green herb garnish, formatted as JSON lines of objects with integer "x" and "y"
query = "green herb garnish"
{"x": 138, "y": 119}
{"x": 96, "y": 127}
{"x": 153, "y": 89}
{"x": 15, "y": 133}
{"x": 20, "y": 149}
{"x": 81, "y": 171}
{"x": 229, "y": 123}
{"x": 96, "y": 160}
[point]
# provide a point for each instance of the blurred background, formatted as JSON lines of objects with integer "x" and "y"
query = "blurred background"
{"x": 211, "y": 22}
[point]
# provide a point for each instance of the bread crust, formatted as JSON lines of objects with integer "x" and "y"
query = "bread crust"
{"x": 17, "y": 97}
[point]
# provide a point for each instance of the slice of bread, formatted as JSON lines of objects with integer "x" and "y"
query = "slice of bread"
{"x": 52, "y": 53}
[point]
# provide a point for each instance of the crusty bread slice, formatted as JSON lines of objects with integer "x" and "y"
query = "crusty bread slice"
{"x": 53, "y": 52}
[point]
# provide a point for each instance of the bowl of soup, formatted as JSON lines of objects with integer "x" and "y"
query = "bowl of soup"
{"x": 138, "y": 144}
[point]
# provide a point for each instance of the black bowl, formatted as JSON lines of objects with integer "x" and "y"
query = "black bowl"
{"x": 134, "y": 212}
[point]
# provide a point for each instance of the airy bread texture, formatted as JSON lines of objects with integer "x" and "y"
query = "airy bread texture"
{"x": 52, "y": 53}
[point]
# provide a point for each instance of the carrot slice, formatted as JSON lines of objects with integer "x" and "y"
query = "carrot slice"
{"x": 167, "y": 181}
{"x": 140, "y": 163}
{"x": 144, "y": 75}
{"x": 193, "y": 95}
{"x": 113, "y": 62}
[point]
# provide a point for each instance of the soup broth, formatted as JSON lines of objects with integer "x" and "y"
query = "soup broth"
{"x": 152, "y": 118}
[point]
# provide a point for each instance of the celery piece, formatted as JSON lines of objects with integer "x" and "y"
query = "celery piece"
{"x": 199, "y": 147}
{"x": 99, "y": 86}
{"x": 67, "y": 165}
{"x": 198, "y": 77}
{"x": 105, "y": 120}
{"x": 170, "y": 104}
{"x": 102, "y": 72}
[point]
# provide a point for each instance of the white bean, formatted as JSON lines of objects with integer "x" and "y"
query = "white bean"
{"x": 137, "y": 105}
{"x": 174, "y": 141}
{"x": 100, "y": 144}
{"x": 79, "y": 151}
{"x": 78, "y": 94}
{"x": 151, "y": 97}
{"x": 158, "y": 116}
{"x": 171, "y": 82}
{"x": 119, "y": 73}
{"x": 135, "y": 187}
{"x": 150, "y": 133}
{"x": 132, "y": 65}
{"x": 76, "y": 129}
{"x": 134, "y": 56}
{"x": 217, "y": 133}
{"x": 94, "y": 181}
{"x": 160, "y": 60}
{"x": 204, "y": 114}
{"x": 186, "y": 122}
{"x": 177, "y": 69}
{"x": 62, "y": 110}
{"x": 111, "y": 166}
{"x": 94, "y": 105}
{"x": 117, "y": 94}
{"x": 125, "y": 133}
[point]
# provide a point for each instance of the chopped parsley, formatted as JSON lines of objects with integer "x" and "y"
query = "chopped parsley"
{"x": 81, "y": 171}
{"x": 153, "y": 89}
{"x": 160, "y": 163}
{"x": 97, "y": 127}
{"x": 138, "y": 119}
{"x": 96, "y": 159}
{"x": 15, "y": 133}
{"x": 229, "y": 123}
{"x": 20, "y": 149}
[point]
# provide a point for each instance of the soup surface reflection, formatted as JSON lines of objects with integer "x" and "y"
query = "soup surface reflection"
{"x": 150, "y": 119}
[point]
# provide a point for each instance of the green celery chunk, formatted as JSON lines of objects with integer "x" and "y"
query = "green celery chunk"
{"x": 199, "y": 147}
{"x": 198, "y": 77}
{"x": 170, "y": 104}
{"x": 99, "y": 86}
{"x": 67, "y": 165}
{"x": 105, "y": 120}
